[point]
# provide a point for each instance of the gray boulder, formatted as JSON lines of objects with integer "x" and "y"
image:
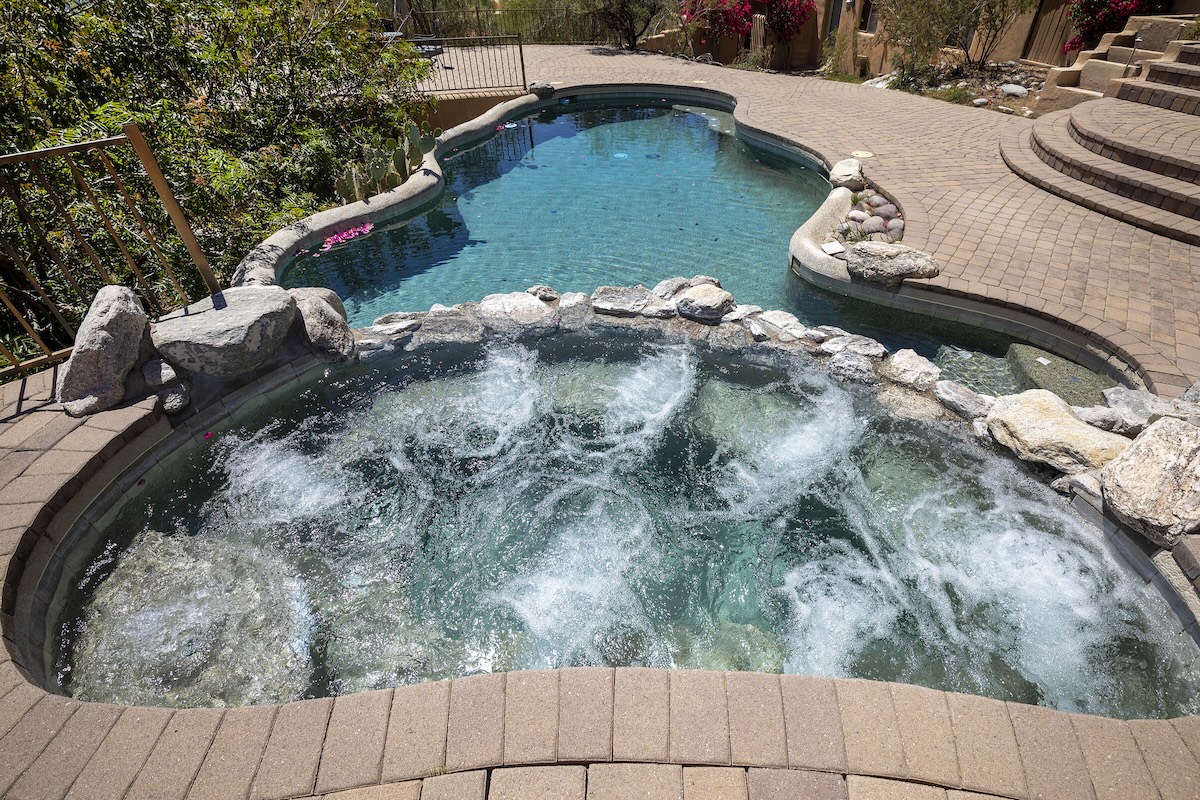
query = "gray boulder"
{"x": 106, "y": 348}
{"x": 889, "y": 264}
{"x": 783, "y": 326}
{"x": 1013, "y": 90}
{"x": 630, "y": 301}
{"x": 517, "y": 312}
{"x": 853, "y": 343}
{"x": 227, "y": 335}
{"x": 963, "y": 401}
{"x": 741, "y": 312}
{"x": 448, "y": 325}
{"x": 848, "y": 173}
{"x": 909, "y": 369}
{"x": 1154, "y": 485}
{"x": 573, "y": 310}
{"x": 543, "y": 292}
{"x": 668, "y": 287}
{"x": 704, "y": 303}
{"x": 1038, "y": 425}
{"x": 848, "y": 366}
{"x": 321, "y": 293}
{"x": 907, "y": 404}
{"x": 324, "y": 330}
{"x": 1135, "y": 409}
{"x": 1192, "y": 395}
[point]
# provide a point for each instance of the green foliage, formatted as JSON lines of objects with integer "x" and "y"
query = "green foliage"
{"x": 753, "y": 60}
{"x": 959, "y": 95}
{"x": 252, "y": 107}
{"x": 627, "y": 20}
{"x": 384, "y": 168}
{"x": 1193, "y": 33}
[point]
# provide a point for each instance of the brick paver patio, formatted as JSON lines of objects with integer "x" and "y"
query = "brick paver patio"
{"x": 619, "y": 734}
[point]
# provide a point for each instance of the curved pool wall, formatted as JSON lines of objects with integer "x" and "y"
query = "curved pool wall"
{"x": 265, "y": 264}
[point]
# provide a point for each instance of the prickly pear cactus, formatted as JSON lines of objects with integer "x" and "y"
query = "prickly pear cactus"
{"x": 384, "y": 168}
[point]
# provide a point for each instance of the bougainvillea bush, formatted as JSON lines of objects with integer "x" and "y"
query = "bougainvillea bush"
{"x": 785, "y": 18}
{"x": 1093, "y": 18}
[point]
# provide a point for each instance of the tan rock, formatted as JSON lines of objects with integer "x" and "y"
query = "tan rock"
{"x": 1154, "y": 485}
{"x": 1039, "y": 426}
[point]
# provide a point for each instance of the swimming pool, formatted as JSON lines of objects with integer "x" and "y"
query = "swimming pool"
{"x": 583, "y": 195}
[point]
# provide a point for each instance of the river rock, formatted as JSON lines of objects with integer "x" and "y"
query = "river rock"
{"x": 853, "y": 343}
{"x": 1039, "y": 426}
{"x": 858, "y": 216}
{"x": 962, "y": 400}
{"x": 888, "y": 263}
{"x": 543, "y": 292}
{"x": 877, "y": 200}
{"x": 1013, "y": 90}
{"x": 888, "y": 211}
{"x": 850, "y": 366}
{"x": 848, "y": 173}
{"x": 875, "y": 224}
{"x": 630, "y": 301}
{"x": 227, "y": 335}
{"x": 704, "y": 303}
{"x": 324, "y": 330}
{"x": 517, "y": 312}
{"x": 895, "y": 227}
{"x": 1154, "y": 485}
{"x": 106, "y": 348}
{"x": 909, "y": 369}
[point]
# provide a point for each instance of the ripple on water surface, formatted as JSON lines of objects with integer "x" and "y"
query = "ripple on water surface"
{"x": 605, "y": 504}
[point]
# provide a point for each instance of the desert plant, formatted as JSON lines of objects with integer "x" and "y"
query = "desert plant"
{"x": 1093, "y": 18}
{"x": 627, "y": 20}
{"x": 990, "y": 20}
{"x": 385, "y": 167}
{"x": 753, "y": 60}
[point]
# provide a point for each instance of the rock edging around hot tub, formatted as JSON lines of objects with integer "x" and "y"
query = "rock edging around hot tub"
{"x": 1096, "y": 455}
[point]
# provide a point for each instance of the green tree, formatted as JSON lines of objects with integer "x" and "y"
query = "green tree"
{"x": 628, "y": 20}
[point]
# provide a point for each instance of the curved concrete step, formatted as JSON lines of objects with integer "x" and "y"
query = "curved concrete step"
{"x": 1053, "y": 144}
{"x": 1016, "y": 147}
{"x": 1147, "y": 138}
{"x": 1159, "y": 95}
{"x": 1173, "y": 73}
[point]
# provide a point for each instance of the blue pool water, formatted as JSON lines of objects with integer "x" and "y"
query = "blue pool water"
{"x": 581, "y": 197}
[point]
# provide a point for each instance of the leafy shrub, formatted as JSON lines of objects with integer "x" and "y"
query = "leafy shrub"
{"x": 1093, "y": 18}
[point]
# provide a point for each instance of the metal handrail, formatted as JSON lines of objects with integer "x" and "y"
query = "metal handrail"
{"x": 47, "y": 243}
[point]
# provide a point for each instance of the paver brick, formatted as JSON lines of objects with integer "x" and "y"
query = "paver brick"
{"x": 1050, "y": 753}
{"x": 353, "y": 751}
{"x": 864, "y": 788}
{"x": 459, "y": 786}
{"x": 714, "y": 783}
{"x": 699, "y": 718}
{"x": 113, "y": 768}
{"x": 585, "y": 714}
{"x": 873, "y": 741}
{"x": 410, "y": 790}
{"x": 176, "y": 757}
{"x": 289, "y": 764}
{"x": 51, "y": 775}
{"x": 987, "y": 747}
{"x": 416, "y": 737}
{"x": 531, "y": 717}
{"x": 539, "y": 783}
{"x": 757, "y": 735}
{"x": 16, "y": 702}
{"x": 782, "y": 784}
{"x": 641, "y": 715}
{"x": 1113, "y": 759}
{"x": 1188, "y": 729}
{"x": 813, "y": 722}
{"x": 475, "y": 733}
{"x": 1174, "y": 769}
{"x": 634, "y": 782}
{"x": 25, "y": 742}
{"x": 926, "y": 734}
{"x": 228, "y": 768}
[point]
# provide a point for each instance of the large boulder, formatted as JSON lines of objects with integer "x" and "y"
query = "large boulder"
{"x": 888, "y": 263}
{"x": 227, "y": 335}
{"x": 1154, "y": 485}
{"x": 106, "y": 348}
{"x": 630, "y": 301}
{"x": 853, "y": 343}
{"x": 325, "y": 331}
{"x": 704, "y": 303}
{"x": 908, "y": 368}
{"x": 848, "y": 173}
{"x": 850, "y": 366}
{"x": 517, "y": 312}
{"x": 321, "y": 293}
{"x": 1135, "y": 409}
{"x": 1038, "y": 425}
{"x": 456, "y": 324}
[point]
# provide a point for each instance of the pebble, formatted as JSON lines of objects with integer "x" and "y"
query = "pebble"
{"x": 1004, "y": 109}
{"x": 876, "y": 201}
{"x": 979, "y": 102}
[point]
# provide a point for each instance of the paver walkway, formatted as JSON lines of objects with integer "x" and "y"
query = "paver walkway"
{"x": 620, "y": 734}
{"x": 1001, "y": 238}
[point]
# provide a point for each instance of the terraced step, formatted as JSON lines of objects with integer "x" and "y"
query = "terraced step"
{"x": 1163, "y": 142}
{"x": 1173, "y": 73}
{"x": 1016, "y": 147}
{"x": 1053, "y": 144}
{"x": 1158, "y": 95}
{"x": 1189, "y": 54}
